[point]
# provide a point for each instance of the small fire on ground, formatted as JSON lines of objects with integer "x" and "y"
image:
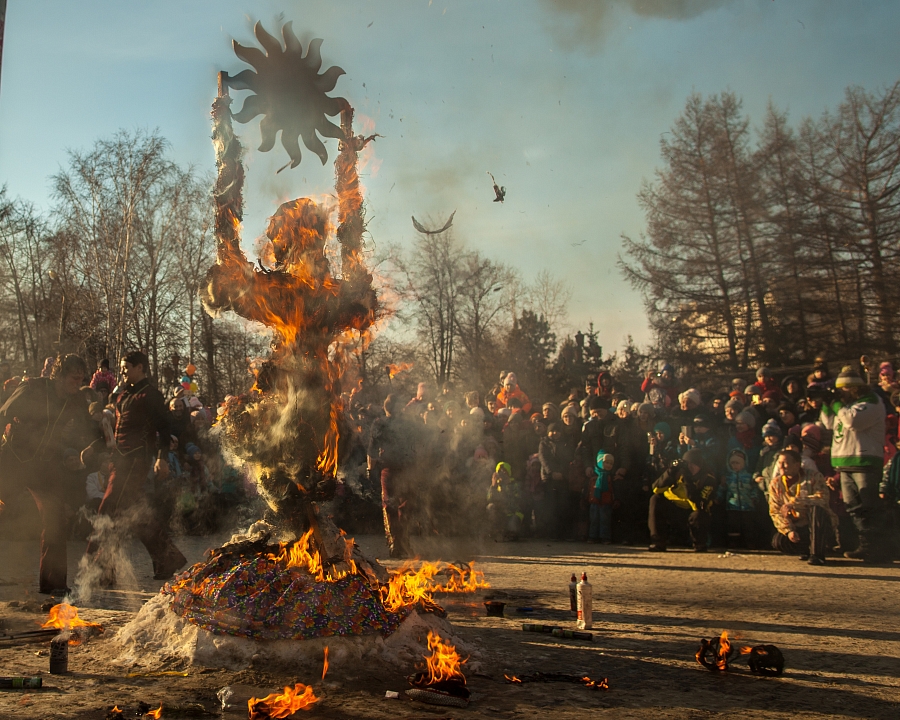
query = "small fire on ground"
{"x": 65, "y": 617}
{"x": 444, "y": 664}
{"x": 282, "y": 705}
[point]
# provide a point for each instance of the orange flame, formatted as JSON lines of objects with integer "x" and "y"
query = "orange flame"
{"x": 155, "y": 714}
{"x": 596, "y": 684}
{"x": 408, "y": 586}
{"x": 325, "y": 664}
{"x": 513, "y": 679}
{"x": 115, "y": 710}
{"x": 298, "y": 555}
{"x": 724, "y": 649}
{"x": 393, "y": 370}
{"x": 444, "y": 663}
{"x": 283, "y": 705}
{"x": 65, "y": 617}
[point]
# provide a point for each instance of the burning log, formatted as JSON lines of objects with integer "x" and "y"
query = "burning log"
{"x": 442, "y": 682}
{"x": 282, "y": 705}
{"x": 714, "y": 654}
{"x": 764, "y": 660}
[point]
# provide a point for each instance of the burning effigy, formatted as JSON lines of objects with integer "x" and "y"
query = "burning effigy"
{"x": 294, "y": 576}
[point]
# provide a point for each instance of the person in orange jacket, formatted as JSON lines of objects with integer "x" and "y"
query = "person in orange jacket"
{"x": 511, "y": 389}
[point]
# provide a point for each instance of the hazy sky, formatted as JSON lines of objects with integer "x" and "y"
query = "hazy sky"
{"x": 563, "y": 100}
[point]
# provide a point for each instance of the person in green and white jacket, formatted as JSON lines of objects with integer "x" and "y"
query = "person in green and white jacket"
{"x": 857, "y": 419}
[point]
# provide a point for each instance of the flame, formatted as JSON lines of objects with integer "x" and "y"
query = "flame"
{"x": 65, "y": 617}
{"x": 444, "y": 663}
{"x": 325, "y": 664}
{"x": 464, "y": 579}
{"x": 746, "y": 650}
{"x": 300, "y": 697}
{"x": 408, "y": 586}
{"x": 513, "y": 679}
{"x": 393, "y": 370}
{"x": 298, "y": 555}
{"x": 724, "y": 649}
{"x": 155, "y": 714}
{"x": 596, "y": 684}
{"x": 115, "y": 710}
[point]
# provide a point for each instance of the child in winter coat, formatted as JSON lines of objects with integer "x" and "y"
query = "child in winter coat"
{"x": 742, "y": 500}
{"x": 601, "y": 500}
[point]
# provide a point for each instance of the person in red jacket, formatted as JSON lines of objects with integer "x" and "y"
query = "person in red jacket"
{"x": 511, "y": 389}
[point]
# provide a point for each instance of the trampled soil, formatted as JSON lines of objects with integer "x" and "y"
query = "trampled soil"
{"x": 838, "y": 627}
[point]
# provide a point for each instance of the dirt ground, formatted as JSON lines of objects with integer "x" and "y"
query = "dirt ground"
{"x": 838, "y": 627}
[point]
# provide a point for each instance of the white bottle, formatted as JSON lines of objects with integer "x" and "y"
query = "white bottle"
{"x": 585, "y": 604}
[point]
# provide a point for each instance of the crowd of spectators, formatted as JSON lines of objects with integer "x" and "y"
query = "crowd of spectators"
{"x": 804, "y": 465}
{"x": 196, "y": 493}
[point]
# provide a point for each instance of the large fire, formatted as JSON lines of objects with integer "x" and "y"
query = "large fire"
{"x": 65, "y": 617}
{"x": 282, "y": 705}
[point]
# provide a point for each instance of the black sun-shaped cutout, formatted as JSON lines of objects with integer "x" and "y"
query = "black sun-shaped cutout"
{"x": 290, "y": 93}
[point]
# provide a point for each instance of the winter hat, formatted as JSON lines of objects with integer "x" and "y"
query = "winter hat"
{"x": 702, "y": 420}
{"x": 763, "y": 372}
{"x": 664, "y": 428}
{"x": 480, "y": 454}
{"x": 746, "y": 417}
{"x": 886, "y": 369}
{"x": 190, "y": 449}
{"x": 646, "y": 407}
{"x": 811, "y": 437}
{"x": 504, "y": 412}
{"x": 737, "y": 451}
{"x": 504, "y": 466}
{"x": 549, "y": 406}
{"x": 477, "y": 413}
{"x": 554, "y": 427}
{"x": 569, "y": 410}
{"x": 735, "y": 404}
{"x": 691, "y": 395}
{"x": 623, "y": 405}
{"x": 771, "y": 429}
{"x": 770, "y": 395}
{"x": 848, "y": 378}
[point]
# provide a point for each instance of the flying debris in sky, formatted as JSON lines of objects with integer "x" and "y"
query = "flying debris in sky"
{"x": 422, "y": 229}
{"x": 499, "y": 192}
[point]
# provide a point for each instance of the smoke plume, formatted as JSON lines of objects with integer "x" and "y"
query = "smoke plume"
{"x": 585, "y": 24}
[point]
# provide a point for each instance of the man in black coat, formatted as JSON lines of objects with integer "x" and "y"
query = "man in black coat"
{"x": 42, "y": 418}
{"x": 143, "y": 433}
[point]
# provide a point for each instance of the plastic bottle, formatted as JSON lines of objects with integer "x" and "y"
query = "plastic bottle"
{"x": 573, "y": 600}
{"x": 585, "y": 604}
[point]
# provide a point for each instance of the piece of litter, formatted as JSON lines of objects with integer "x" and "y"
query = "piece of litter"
{"x": 391, "y": 695}
{"x": 224, "y": 696}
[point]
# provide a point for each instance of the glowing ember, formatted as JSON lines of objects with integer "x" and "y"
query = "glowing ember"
{"x": 325, "y": 664}
{"x": 444, "y": 663}
{"x": 394, "y": 370}
{"x": 283, "y": 705}
{"x": 115, "y": 710}
{"x": 65, "y": 617}
{"x": 596, "y": 684}
{"x": 155, "y": 714}
{"x": 513, "y": 679}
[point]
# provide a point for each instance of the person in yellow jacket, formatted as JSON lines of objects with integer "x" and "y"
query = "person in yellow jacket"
{"x": 683, "y": 494}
